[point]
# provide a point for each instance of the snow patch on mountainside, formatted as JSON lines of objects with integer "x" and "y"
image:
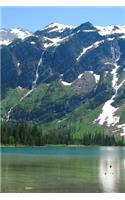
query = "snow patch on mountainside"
{"x": 85, "y": 50}
{"x": 37, "y": 72}
{"x": 122, "y": 126}
{"x": 18, "y": 68}
{"x": 18, "y": 64}
{"x": 52, "y": 41}
{"x": 88, "y": 30}
{"x": 80, "y": 75}
{"x": 108, "y": 114}
{"x": 5, "y": 42}
{"x": 108, "y": 30}
{"x": 97, "y": 77}
{"x": 122, "y": 37}
{"x": 110, "y": 39}
{"x": 115, "y": 77}
{"x": 108, "y": 111}
{"x": 58, "y": 27}
{"x": 66, "y": 83}
{"x": 8, "y": 114}
{"x": 20, "y": 88}
{"x": 55, "y": 41}
{"x": 32, "y": 42}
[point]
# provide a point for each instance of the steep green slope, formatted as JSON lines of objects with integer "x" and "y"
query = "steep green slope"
{"x": 12, "y": 98}
{"x": 53, "y": 101}
{"x": 46, "y": 103}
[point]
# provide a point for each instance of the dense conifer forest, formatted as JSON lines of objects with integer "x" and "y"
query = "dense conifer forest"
{"x": 33, "y": 135}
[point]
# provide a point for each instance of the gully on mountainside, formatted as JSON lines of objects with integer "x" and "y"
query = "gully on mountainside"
{"x": 108, "y": 111}
{"x": 7, "y": 116}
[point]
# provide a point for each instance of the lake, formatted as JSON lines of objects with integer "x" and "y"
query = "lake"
{"x": 63, "y": 169}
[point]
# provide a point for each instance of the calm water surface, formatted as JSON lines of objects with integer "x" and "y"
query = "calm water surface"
{"x": 63, "y": 169}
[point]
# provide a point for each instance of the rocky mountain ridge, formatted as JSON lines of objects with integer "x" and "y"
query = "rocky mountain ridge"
{"x": 60, "y": 69}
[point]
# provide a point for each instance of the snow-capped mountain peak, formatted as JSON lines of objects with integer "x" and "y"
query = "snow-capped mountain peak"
{"x": 22, "y": 34}
{"x": 111, "y": 29}
{"x": 58, "y": 27}
{"x": 8, "y": 35}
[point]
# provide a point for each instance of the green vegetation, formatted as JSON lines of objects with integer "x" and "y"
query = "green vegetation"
{"x": 121, "y": 76}
{"x": 46, "y": 103}
{"x": 66, "y": 123}
{"x": 122, "y": 115}
{"x": 34, "y": 135}
{"x": 120, "y": 99}
{"x": 12, "y": 98}
{"x": 53, "y": 101}
{"x": 58, "y": 113}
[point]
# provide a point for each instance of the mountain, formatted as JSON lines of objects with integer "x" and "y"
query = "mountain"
{"x": 7, "y": 36}
{"x": 66, "y": 76}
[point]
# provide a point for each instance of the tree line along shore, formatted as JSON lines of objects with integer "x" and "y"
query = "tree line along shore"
{"x": 33, "y": 135}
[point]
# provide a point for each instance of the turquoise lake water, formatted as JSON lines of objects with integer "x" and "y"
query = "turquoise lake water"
{"x": 63, "y": 169}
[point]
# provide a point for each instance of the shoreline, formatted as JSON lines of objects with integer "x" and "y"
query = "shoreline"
{"x": 56, "y": 145}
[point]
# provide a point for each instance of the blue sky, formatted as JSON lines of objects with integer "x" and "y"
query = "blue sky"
{"x": 33, "y": 18}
